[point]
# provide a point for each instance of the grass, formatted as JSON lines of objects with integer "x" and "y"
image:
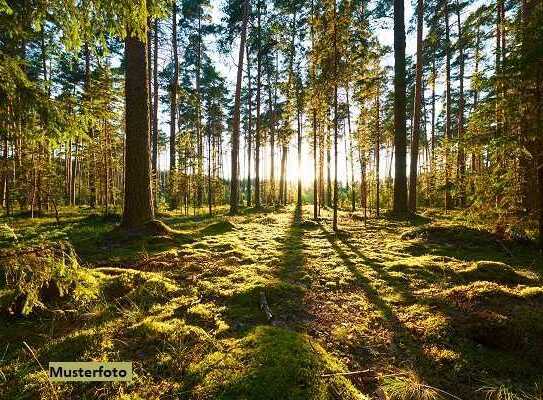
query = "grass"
{"x": 427, "y": 308}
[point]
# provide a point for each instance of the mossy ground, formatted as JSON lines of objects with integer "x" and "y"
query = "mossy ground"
{"x": 420, "y": 308}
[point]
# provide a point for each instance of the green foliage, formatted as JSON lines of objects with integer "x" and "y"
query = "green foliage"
{"x": 41, "y": 276}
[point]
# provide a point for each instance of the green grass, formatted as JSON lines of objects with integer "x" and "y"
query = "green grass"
{"x": 416, "y": 308}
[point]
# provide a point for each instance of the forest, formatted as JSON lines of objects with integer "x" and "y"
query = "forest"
{"x": 272, "y": 199}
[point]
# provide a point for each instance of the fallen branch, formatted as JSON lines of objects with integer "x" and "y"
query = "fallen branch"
{"x": 347, "y": 373}
{"x": 264, "y": 306}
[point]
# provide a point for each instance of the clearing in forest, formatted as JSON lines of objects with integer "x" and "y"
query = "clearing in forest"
{"x": 420, "y": 309}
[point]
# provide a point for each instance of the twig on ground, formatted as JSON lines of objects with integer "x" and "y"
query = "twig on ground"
{"x": 41, "y": 366}
{"x": 347, "y": 373}
{"x": 264, "y": 306}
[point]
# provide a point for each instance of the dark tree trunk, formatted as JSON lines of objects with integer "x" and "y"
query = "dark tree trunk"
{"x": 448, "y": 135}
{"x": 334, "y": 219}
{"x": 353, "y": 186}
{"x": 138, "y": 200}
{"x": 155, "y": 112}
{"x": 234, "y": 179}
{"x": 173, "y": 111}
{"x": 400, "y": 139}
{"x": 461, "y": 153}
{"x": 378, "y": 155}
{"x": 416, "y": 113}
{"x": 258, "y": 122}
{"x": 249, "y": 132}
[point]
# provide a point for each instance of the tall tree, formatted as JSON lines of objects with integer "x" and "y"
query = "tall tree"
{"x": 400, "y": 139}
{"x": 173, "y": 110}
{"x": 138, "y": 200}
{"x": 416, "y": 112}
{"x": 234, "y": 178}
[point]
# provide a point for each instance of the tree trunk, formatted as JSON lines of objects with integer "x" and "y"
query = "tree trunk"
{"x": 448, "y": 135}
{"x": 334, "y": 219}
{"x": 353, "y": 186}
{"x": 400, "y": 139}
{"x": 138, "y": 200}
{"x": 416, "y": 113}
{"x": 461, "y": 154}
{"x": 249, "y": 132}
{"x": 234, "y": 179}
{"x": 155, "y": 112}
{"x": 199, "y": 134}
{"x": 378, "y": 154}
{"x": 173, "y": 111}
{"x": 258, "y": 122}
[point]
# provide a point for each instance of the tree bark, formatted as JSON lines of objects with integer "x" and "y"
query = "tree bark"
{"x": 155, "y": 111}
{"x": 249, "y": 132}
{"x": 334, "y": 219}
{"x": 173, "y": 111}
{"x": 234, "y": 179}
{"x": 400, "y": 139}
{"x": 448, "y": 135}
{"x": 138, "y": 200}
{"x": 461, "y": 154}
{"x": 416, "y": 113}
{"x": 258, "y": 122}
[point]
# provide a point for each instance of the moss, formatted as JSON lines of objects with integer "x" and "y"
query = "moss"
{"x": 493, "y": 272}
{"x": 269, "y": 363}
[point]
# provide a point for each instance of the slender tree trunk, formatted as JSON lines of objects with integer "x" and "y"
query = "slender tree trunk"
{"x": 334, "y": 220}
{"x": 283, "y": 178}
{"x": 199, "y": 134}
{"x": 234, "y": 179}
{"x": 258, "y": 122}
{"x": 448, "y": 134}
{"x": 173, "y": 111}
{"x": 417, "y": 113}
{"x": 461, "y": 154}
{"x": 299, "y": 134}
{"x": 353, "y": 186}
{"x": 209, "y": 178}
{"x": 433, "y": 129}
{"x": 92, "y": 166}
{"x": 272, "y": 143}
{"x": 329, "y": 168}
{"x": 378, "y": 154}
{"x": 155, "y": 112}
{"x": 249, "y": 132}
{"x": 400, "y": 139}
{"x": 138, "y": 199}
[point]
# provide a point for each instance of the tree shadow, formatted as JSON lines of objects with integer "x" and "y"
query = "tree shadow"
{"x": 405, "y": 347}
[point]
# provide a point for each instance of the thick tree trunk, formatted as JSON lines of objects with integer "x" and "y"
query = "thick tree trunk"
{"x": 138, "y": 200}
{"x": 234, "y": 179}
{"x": 416, "y": 113}
{"x": 400, "y": 139}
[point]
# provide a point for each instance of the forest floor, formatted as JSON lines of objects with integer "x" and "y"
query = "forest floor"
{"x": 427, "y": 308}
